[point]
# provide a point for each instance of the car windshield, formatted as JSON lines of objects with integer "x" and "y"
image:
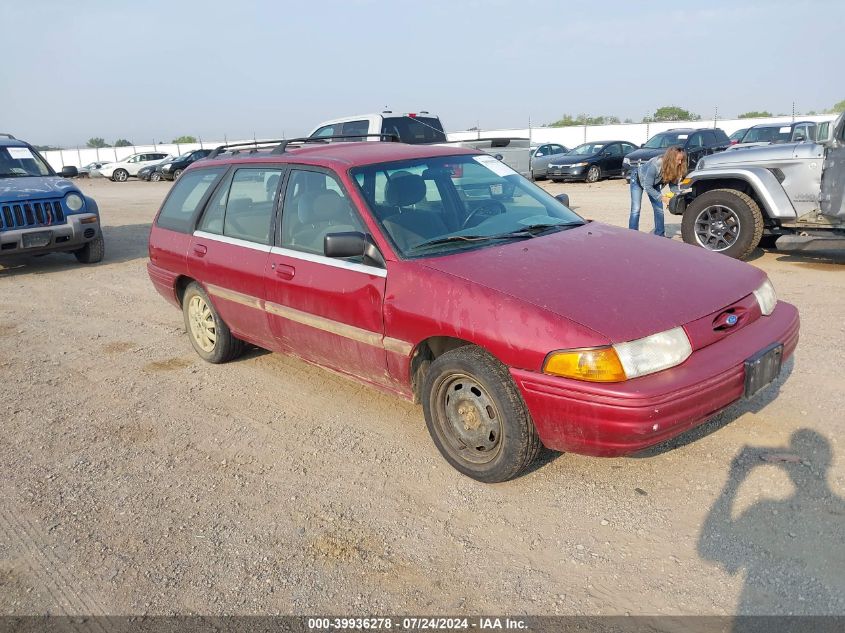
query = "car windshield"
{"x": 738, "y": 134}
{"x": 22, "y": 161}
{"x": 587, "y": 149}
{"x": 184, "y": 156}
{"x": 414, "y": 130}
{"x": 432, "y": 206}
{"x": 768, "y": 134}
{"x": 666, "y": 139}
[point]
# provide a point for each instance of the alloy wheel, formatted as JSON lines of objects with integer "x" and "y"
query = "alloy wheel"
{"x": 202, "y": 323}
{"x": 717, "y": 228}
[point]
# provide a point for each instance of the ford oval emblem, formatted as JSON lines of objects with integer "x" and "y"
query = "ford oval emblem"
{"x": 732, "y": 319}
{"x": 498, "y": 157}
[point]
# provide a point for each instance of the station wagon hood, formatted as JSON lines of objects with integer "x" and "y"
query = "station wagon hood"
{"x": 34, "y": 187}
{"x": 620, "y": 283}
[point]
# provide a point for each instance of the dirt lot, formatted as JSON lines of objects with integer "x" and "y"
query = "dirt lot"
{"x": 139, "y": 479}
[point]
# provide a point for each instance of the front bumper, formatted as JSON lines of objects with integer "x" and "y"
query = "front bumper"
{"x": 78, "y": 230}
{"x": 613, "y": 419}
{"x": 567, "y": 173}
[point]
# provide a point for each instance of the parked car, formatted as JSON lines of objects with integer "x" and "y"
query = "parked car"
{"x": 172, "y": 169}
{"x": 440, "y": 275}
{"x": 131, "y": 165}
{"x": 736, "y": 137}
{"x": 85, "y": 171}
{"x": 540, "y": 157}
{"x": 411, "y": 127}
{"x": 695, "y": 142}
{"x": 590, "y": 161}
{"x": 768, "y": 133}
{"x": 148, "y": 173}
{"x": 41, "y": 211}
{"x": 790, "y": 193}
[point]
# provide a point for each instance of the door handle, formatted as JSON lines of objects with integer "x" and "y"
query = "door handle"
{"x": 283, "y": 270}
{"x": 200, "y": 249}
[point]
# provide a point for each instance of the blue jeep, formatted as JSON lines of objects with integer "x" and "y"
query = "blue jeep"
{"x": 41, "y": 211}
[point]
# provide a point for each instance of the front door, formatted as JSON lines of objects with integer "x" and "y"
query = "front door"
{"x": 325, "y": 310}
{"x": 229, "y": 250}
{"x": 833, "y": 175}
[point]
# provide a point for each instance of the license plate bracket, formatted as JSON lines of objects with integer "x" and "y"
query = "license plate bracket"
{"x": 762, "y": 368}
{"x": 36, "y": 239}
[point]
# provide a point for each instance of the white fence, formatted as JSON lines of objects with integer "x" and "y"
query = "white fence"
{"x": 637, "y": 133}
{"x": 83, "y": 156}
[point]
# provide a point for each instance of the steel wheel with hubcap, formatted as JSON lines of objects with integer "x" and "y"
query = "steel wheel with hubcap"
{"x": 723, "y": 221}
{"x": 155, "y": 176}
{"x": 593, "y": 173}
{"x": 476, "y": 416}
{"x": 209, "y": 335}
{"x": 120, "y": 175}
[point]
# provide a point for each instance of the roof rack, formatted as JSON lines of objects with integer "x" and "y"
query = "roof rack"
{"x": 324, "y": 139}
{"x": 280, "y": 145}
{"x": 255, "y": 145}
{"x": 7, "y": 135}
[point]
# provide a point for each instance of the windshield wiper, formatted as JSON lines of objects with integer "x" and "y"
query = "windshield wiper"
{"x": 528, "y": 231}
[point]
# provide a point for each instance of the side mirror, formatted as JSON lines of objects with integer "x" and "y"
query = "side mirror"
{"x": 563, "y": 198}
{"x": 351, "y": 244}
{"x": 69, "y": 172}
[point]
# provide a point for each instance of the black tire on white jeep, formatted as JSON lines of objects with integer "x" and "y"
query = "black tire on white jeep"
{"x": 725, "y": 221}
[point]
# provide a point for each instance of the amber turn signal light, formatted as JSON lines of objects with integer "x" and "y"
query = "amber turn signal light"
{"x": 600, "y": 364}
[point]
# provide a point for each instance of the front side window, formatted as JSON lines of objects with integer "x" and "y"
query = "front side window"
{"x": 696, "y": 141}
{"x": 178, "y": 211}
{"x": 445, "y": 204}
{"x": 21, "y": 161}
{"x": 315, "y": 205}
{"x": 243, "y": 207}
{"x": 615, "y": 150}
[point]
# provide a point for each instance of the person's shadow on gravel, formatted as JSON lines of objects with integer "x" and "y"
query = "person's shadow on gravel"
{"x": 793, "y": 550}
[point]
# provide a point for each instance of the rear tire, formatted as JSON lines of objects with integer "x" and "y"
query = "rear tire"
{"x": 93, "y": 252}
{"x": 477, "y": 417}
{"x": 209, "y": 335}
{"x": 724, "y": 221}
{"x": 177, "y": 173}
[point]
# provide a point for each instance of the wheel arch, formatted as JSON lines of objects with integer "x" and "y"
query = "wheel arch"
{"x": 425, "y": 352}
{"x": 760, "y": 184}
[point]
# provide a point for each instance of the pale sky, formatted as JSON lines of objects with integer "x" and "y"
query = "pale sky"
{"x": 151, "y": 70}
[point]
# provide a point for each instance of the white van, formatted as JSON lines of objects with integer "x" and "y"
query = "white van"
{"x": 411, "y": 127}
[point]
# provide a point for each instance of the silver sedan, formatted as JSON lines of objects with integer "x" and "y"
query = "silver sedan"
{"x": 540, "y": 157}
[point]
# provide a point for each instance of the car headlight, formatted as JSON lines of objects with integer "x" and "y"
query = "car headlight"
{"x": 622, "y": 361}
{"x": 166, "y": 167}
{"x": 766, "y": 298}
{"x": 626, "y": 161}
{"x": 74, "y": 202}
{"x": 579, "y": 165}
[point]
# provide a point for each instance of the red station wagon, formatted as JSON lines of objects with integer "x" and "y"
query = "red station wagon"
{"x": 442, "y": 276}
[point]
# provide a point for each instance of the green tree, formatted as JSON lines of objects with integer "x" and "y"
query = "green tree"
{"x": 582, "y": 119}
{"x": 97, "y": 141}
{"x": 837, "y": 107}
{"x": 122, "y": 142}
{"x": 755, "y": 114}
{"x": 185, "y": 139}
{"x": 567, "y": 120}
{"x": 673, "y": 113}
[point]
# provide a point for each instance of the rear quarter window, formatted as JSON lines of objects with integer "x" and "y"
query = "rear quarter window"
{"x": 185, "y": 199}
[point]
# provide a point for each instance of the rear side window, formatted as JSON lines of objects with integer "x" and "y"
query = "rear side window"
{"x": 243, "y": 207}
{"x": 190, "y": 190}
{"x": 354, "y": 128}
{"x": 415, "y": 129}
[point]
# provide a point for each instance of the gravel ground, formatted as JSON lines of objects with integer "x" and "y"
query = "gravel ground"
{"x": 139, "y": 479}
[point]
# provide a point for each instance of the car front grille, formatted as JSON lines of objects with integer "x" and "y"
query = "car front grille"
{"x": 33, "y": 213}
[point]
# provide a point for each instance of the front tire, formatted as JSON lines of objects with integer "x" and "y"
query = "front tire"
{"x": 593, "y": 174}
{"x": 724, "y": 221}
{"x": 477, "y": 417}
{"x": 155, "y": 176}
{"x": 120, "y": 175}
{"x": 177, "y": 173}
{"x": 93, "y": 252}
{"x": 210, "y": 336}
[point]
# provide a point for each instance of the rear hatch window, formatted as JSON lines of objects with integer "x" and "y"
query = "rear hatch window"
{"x": 414, "y": 130}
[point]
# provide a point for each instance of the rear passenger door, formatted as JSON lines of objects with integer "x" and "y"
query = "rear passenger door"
{"x": 325, "y": 310}
{"x": 230, "y": 247}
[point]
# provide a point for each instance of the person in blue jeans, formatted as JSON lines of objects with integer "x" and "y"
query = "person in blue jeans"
{"x": 651, "y": 177}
